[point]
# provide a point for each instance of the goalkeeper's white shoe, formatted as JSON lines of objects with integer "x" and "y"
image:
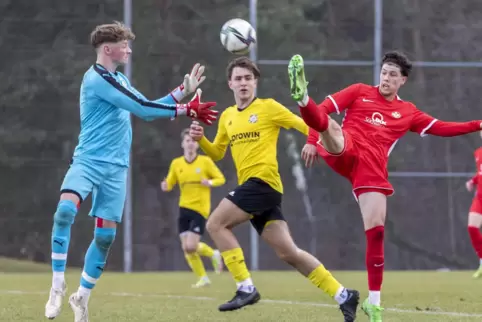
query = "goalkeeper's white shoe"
{"x": 54, "y": 304}
{"x": 79, "y": 307}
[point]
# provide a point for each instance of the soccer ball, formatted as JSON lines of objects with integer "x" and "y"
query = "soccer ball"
{"x": 238, "y": 36}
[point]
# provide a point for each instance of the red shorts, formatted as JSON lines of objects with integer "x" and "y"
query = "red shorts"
{"x": 367, "y": 173}
{"x": 476, "y": 205}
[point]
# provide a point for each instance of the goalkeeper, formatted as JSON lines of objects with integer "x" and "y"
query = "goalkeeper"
{"x": 101, "y": 158}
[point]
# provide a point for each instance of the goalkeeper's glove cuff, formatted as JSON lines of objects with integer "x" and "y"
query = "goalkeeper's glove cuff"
{"x": 182, "y": 109}
{"x": 178, "y": 94}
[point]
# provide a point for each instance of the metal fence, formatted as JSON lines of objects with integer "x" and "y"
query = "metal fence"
{"x": 342, "y": 42}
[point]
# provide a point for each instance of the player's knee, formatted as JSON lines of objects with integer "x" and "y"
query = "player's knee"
{"x": 190, "y": 248}
{"x": 65, "y": 214}
{"x": 104, "y": 239}
{"x": 373, "y": 218}
{"x": 212, "y": 226}
{"x": 374, "y": 221}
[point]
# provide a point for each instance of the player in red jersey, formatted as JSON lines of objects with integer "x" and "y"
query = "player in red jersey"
{"x": 375, "y": 118}
{"x": 475, "y": 212}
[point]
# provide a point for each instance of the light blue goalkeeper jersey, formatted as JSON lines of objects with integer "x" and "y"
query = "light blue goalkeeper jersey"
{"x": 106, "y": 101}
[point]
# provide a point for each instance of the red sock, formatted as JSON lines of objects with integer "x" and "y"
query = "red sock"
{"x": 313, "y": 117}
{"x": 476, "y": 238}
{"x": 374, "y": 257}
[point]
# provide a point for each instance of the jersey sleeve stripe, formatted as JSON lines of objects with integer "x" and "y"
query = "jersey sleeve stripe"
{"x": 334, "y": 103}
{"x": 422, "y": 134}
{"x": 392, "y": 147}
{"x": 108, "y": 78}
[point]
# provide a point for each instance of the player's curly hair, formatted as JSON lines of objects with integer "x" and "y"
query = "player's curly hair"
{"x": 112, "y": 33}
{"x": 243, "y": 62}
{"x": 400, "y": 59}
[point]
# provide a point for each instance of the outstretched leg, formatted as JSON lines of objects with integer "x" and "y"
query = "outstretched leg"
{"x": 331, "y": 135}
{"x": 277, "y": 235}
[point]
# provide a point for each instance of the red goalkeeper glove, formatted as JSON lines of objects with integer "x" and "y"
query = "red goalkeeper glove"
{"x": 198, "y": 110}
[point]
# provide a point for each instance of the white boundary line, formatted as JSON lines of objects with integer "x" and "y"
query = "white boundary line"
{"x": 285, "y": 302}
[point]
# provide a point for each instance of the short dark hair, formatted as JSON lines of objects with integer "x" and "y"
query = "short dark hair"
{"x": 184, "y": 133}
{"x": 243, "y": 62}
{"x": 400, "y": 59}
{"x": 114, "y": 32}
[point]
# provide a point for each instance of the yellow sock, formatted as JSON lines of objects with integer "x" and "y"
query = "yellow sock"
{"x": 196, "y": 264}
{"x": 234, "y": 261}
{"x": 323, "y": 279}
{"x": 204, "y": 250}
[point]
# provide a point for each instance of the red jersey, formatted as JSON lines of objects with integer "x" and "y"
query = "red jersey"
{"x": 478, "y": 174}
{"x": 377, "y": 124}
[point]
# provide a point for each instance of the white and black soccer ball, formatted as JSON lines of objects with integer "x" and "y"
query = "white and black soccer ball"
{"x": 238, "y": 36}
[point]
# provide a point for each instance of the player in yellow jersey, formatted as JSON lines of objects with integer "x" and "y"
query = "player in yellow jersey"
{"x": 251, "y": 128}
{"x": 195, "y": 174}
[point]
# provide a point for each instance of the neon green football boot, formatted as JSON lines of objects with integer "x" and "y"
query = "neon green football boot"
{"x": 478, "y": 273}
{"x": 298, "y": 83}
{"x": 374, "y": 312}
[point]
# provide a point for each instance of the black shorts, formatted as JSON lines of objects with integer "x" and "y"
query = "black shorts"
{"x": 257, "y": 198}
{"x": 190, "y": 220}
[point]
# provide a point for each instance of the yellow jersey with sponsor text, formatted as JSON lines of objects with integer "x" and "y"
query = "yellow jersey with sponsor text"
{"x": 252, "y": 134}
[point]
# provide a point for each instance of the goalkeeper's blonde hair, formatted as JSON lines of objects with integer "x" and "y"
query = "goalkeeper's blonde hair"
{"x": 110, "y": 33}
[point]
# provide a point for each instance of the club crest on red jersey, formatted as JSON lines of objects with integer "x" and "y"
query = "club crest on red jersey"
{"x": 376, "y": 119}
{"x": 396, "y": 115}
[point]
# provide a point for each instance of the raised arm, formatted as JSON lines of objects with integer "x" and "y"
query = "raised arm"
{"x": 109, "y": 89}
{"x": 189, "y": 85}
{"x": 425, "y": 124}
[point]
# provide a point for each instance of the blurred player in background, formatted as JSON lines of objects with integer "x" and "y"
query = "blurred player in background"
{"x": 101, "y": 158}
{"x": 251, "y": 128}
{"x": 196, "y": 175}
{"x": 475, "y": 212}
{"x": 376, "y": 118}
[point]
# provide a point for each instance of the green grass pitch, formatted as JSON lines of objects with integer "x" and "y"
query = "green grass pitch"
{"x": 286, "y": 296}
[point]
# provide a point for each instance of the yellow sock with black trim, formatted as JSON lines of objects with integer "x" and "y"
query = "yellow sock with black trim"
{"x": 203, "y": 249}
{"x": 196, "y": 264}
{"x": 323, "y": 279}
{"x": 234, "y": 261}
